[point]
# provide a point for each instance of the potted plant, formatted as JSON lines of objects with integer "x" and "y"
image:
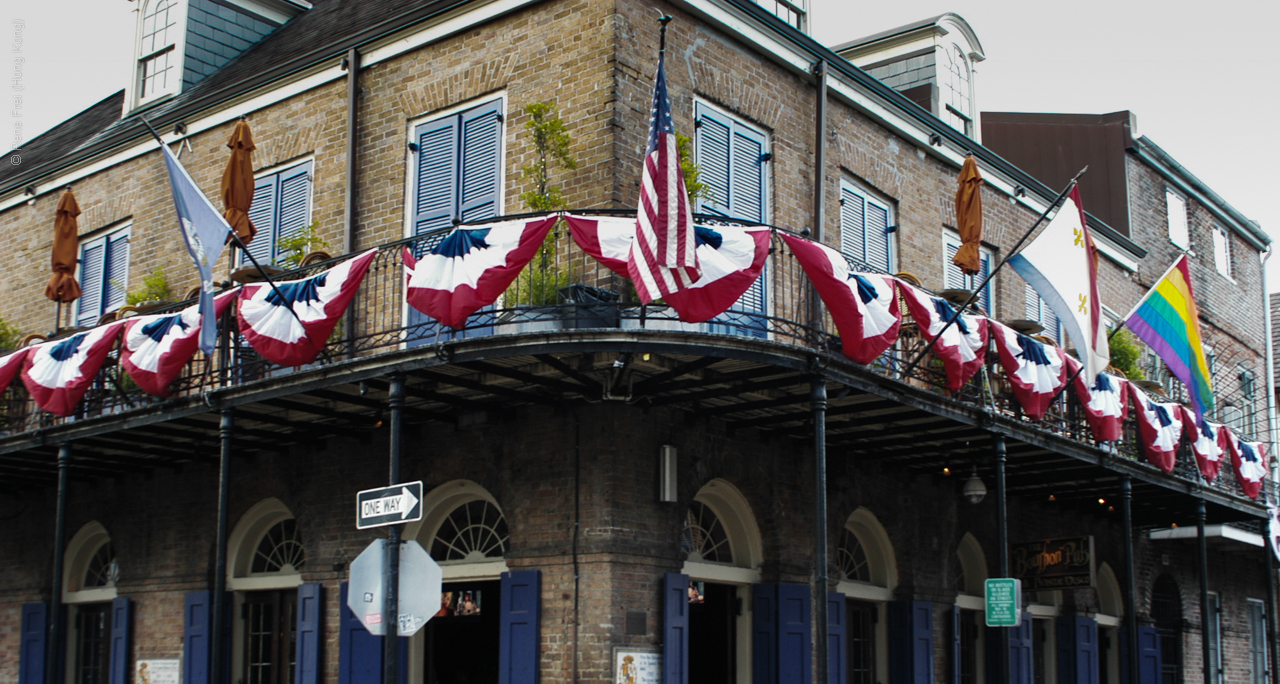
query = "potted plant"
{"x": 153, "y": 294}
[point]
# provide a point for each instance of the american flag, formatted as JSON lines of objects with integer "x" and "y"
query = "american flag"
{"x": 663, "y": 257}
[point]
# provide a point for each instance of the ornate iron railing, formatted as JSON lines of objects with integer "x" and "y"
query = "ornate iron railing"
{"x": 566, "y": 289}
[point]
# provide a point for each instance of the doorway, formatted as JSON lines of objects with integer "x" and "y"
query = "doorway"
{"x": 461, "y": 644}
{"x": 92, "y": 649}
{"x": 713, "y": 614}
{"x": 270, "y": 636}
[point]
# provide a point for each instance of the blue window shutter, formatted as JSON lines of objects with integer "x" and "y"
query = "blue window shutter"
{"x": 795, "y": 648}
{"x": 263, "y": 215}
{"x": 922, "y": 641}
{"x": 293, "y": 213}
{"x": 1149, "y": 657}
{"x": 121, "y": 626}
{"x": 1065, "y": 634}
{"x": 435, "y": 189}
{"x": 310, "y": 618}
{"x": 853, "y": 233}
{"x": 31, "y": 653}
{"x": 747, "y": 179}
{"x": 116, "y": 278}
{"x": 837, "y": 631}
{"x": 1088, "y": 654}
{"x": 359, "y": 652}
{"x": 910, "y": 642}
{"x": 675, "y": 628}
{"x": 480, "y": 165}
{"x": 957, "y": 628}
{"x": 764, "y": 633}
{"x": 877, "y": 236}
{"x": 955, "y": 278}
{"x": 984, "y": 296}
{"x": 196, "y": 630}
{"x": 518, "y": 642}
{"x": 1020, "y": 651}
{"x": 92, "y": 262}
{"x": 714, "y": 139}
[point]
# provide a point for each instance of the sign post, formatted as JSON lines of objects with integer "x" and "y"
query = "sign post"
{"x": 1004, "y": 602}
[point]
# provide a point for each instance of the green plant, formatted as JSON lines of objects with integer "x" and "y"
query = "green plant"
{"x": 155, "y": 288}
{"x": 693, "y": 185}
{"x": 540, "y": 282}
{"x": 302, "y": 243}
{"x": 10, "y": 336}
{"x": 1126, "y": 354}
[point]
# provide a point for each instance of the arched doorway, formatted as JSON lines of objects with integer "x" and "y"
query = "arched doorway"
{"x": 722, "y": 548}
{"x": 1166, "y": 611}
{"x": 465, "y": 531}
{"x": 868, "y": 575}
{"x": 89, "y": 586}
{"x": 265, "y": 557}
{"x": 1110, "y": 616}
{"x": 969, "y": 575}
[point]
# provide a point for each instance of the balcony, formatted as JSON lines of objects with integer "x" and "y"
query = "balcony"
{"x": 576, "y": 334}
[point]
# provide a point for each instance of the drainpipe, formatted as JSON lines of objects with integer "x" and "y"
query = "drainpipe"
{"x": 1270, "y": 359}
{"x": 819, "y": 187}
{"x": 349, "y": 195}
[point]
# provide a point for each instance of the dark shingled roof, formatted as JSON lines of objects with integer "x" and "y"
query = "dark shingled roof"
{"x": 325, "y": 31}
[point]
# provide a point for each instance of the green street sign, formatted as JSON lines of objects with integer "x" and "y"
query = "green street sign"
{"x": 1004, "y": 602}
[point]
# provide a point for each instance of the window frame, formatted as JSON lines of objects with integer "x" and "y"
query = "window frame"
{"x": 1043, "y": 311}
{"x": 1184, "y": 232}
{"x": 280, "y": 171}
{"x": 1222, "y": 252}
{"x": 952, "y": 238}
{"x": 766, "y": 144}
{"x": 872, "y": 198}
{"x": 103, "y": 238}
{"x": 176, "y": 47}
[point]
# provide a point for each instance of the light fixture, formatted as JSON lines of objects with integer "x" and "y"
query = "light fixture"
{"x": 1052, "y": 497}
{"x": 667, "y": 478}
{"x": 946, "y": 470}
{"x": 974, "y": 490}
{"x": 935, "y": 140}
{"x": 1101, "y": 501}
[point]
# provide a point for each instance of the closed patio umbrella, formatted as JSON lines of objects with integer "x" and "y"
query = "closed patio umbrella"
{"x": 62, "y": 287}
{"x": 969, "y": 218}
{"x": 237, "y": 183}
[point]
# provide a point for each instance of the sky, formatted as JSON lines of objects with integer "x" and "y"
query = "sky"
{"x": 1203, "y": 79}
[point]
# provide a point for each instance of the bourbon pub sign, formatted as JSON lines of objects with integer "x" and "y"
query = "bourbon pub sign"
{"x": 1054, "y": 563}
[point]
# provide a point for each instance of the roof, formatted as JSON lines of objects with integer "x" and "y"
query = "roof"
{"x": 325, "y": 31}
{"x": 905, "y": 28}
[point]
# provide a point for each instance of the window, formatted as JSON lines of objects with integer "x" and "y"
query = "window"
{"x": 457, "y": 168}
{"x": 1215, "y": 640}
{"x": 957, "y": 108}
{"x": 280, "y": 549}
{"x": 1178, "y": 232}
{"x": 957, "y": 279}
{"x": 1222, "y": 251}
{"x": 159, "y": 70}
{"x": 732, "y": 158}
{"x": 852, "y": 558}
{"x": 92, "y": 643}
{"x": 104, "y": 275}
{"x": 1249, "y": 403}
{"x": 1038, "y": 310}
{"x": 473, "y": 531}
{"x": 703, "y": 537}
{"x": 861, "y": 641}
{"x": 270, "y": 637}
{"x": 865, "y": 224}
{"x": 1259, "y": 667}
{"x": 281, "y": 210}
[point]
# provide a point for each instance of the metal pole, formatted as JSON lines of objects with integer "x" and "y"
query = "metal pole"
{"x": 1002, "y": 551}
{"x": 818, "y": 400}
{"x": 353, "y": 130}
{"x": 220, "y": 627}
{"x": 391, "y": 569}
{"x": 53, "y": 646}
{"x": 1270, "y": 615}
{"x": 819, "y": 183}
{"x": 1130, "y": 580}
{"x": 1204, "y": 592}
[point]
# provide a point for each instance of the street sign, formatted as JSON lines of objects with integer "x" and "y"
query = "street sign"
{"x": 1004, "y": 602}
{"x": 392, "y": 505}
{"x": 419, "y": 596}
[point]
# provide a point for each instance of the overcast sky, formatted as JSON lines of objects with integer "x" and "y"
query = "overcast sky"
{"x": 1201, "y": 78}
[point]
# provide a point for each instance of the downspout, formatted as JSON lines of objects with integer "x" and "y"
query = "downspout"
{"x": 1270, "y": 360}
{"x": 349, "y": 193}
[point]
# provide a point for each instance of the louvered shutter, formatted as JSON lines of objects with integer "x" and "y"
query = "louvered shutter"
{"x": 518, "y": 641}
{"x": 853, "y": 236}
{"x": 957, "y": 644}
{"x": 794, "y": 640}
{"x": 121, "y": 626}
{"x": 675, "y": 628}
{"x": 877, "y": 236}
{"x": 764, "y": 633}
{"x": 955, "y": 278}
{"x": 747, "y": 175}
{"x": 984, "y": 296}
{"x": 1077, "y": 638}
{"x": 479, "y": 165}
{"x": 31, "y": 647}
{"x": 910, "y": 642}
{"x": 294, "y": 202}
{"x": 436, "y": 185}
{"x": 196, "y": 630}
{"x": 116, "y": 277}
{"x": 1215, "y": 640}
{"x": 837, "y": 633}
{"x": 92, "y": 263}
{"x": 263, "y": 215}
{"x": 360, "y": 653}
{"x": 309, "y": 636}
{"x": 1021, "y": 647}
{"x": 1258, "y": 642}
{"x": 714, "y": 138}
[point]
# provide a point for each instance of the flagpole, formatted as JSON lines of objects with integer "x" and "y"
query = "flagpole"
{"x": 238, "y": 243}
{"x": 974, "y": 295}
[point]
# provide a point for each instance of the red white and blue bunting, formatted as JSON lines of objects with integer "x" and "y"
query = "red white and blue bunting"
{"x": 1206, "y": 439}
{"x": 59, "y": 372}
{"x": 156, "y": 347}
{"x": 292, "y": 331}
{"x": 10, "y": 366}
{"x": 1250, "y": 462}
{"x": 471, "y": 267}
{"x": 962, "y": 346}
{"x": 1159, "y": 428}
{"x": 1105, "y": 402}
{"x": 1036, "y": 370}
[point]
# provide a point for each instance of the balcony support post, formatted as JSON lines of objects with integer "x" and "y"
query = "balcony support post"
{"x": 1269, "y": 615}
{"x": 818, "y": 402}
{"x": 1203, "y": 548}
{"x": 1130, "y": 579}
{"x": 1002, "y": 547}
{"x": 218, "y": 656}
{"x": 53, "y": 653}
{"x": 391, "y": 567}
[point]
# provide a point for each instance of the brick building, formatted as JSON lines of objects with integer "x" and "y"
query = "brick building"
{"x": 599, "y": 485}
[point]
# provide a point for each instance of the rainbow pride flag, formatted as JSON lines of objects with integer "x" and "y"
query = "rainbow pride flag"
{"x": 1168, "y": 321}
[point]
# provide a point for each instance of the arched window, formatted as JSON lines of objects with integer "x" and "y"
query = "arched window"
{"x": 704, "y": 537}
{"x": 868, "y": 574}
{"x": 852, "y": 558}
{"x": 971, "y": 564}
{"x": 280, "y": 549}
{"x": 957, "y": 106}
{"x": 91, "y": 566}
{"x": 266, "y": 549}
{"x": 473, "y": 531}
{"x": 159, "y": 65}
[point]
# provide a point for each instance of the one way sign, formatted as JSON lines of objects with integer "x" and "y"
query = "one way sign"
{"x": 392, "y": 505}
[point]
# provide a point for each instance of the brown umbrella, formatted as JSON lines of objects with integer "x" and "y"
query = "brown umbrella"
{"x": 62, "y": 287}
{"x": 969, "y": 218}
{"x": 237, "y": 183}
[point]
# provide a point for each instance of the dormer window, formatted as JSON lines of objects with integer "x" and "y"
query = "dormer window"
{"x": 159, "y": 64}
{"x": 958, "y": 107}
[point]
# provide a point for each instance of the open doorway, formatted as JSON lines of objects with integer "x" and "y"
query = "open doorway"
{"x": 713, "y": 614}
{"x": 461, "y": 641}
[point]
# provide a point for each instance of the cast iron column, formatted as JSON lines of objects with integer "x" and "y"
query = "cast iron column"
{"x": 1270, "y": 614}
{"x": 1002, "y": 552}
{"x": 217, "y": 651}
{"x": 1204, "y": 592}
{"x": 819, "y": 183}
{"x": 1131, "y": 580}
{"x": 818, "y": 399}
{"x": 391, "y": 570}
{"x": 52, "y": 650}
